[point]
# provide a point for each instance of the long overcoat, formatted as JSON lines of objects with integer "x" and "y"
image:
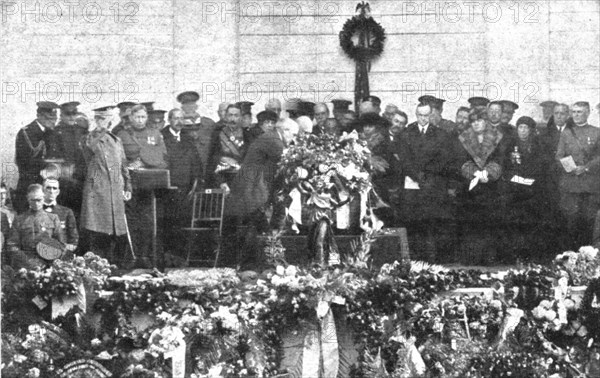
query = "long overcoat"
{"x": 103, "y": 208}
{"x": 426, "y": 159}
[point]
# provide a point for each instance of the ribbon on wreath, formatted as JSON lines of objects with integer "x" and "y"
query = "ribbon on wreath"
{"x": 320, "y": 353}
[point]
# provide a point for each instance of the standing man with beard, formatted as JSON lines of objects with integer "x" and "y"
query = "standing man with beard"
{"x": 32, "y": 146}
{"x": 462, "y": 119}
{"x": 231, "y": 148}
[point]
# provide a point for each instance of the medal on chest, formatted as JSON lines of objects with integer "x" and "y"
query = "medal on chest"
{"x": 238, "y": 143}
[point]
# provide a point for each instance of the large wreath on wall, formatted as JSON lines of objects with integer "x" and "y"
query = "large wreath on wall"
{"x": 362, "y": 37}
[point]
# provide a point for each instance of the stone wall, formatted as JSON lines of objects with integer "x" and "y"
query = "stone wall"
{"x": 103, "y": 52}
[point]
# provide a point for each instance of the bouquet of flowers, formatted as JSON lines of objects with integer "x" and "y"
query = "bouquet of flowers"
{"x": 326, "y": 169}
{"x": 64, "y": 277}
{"x": 317, "y": 161}
{"x": 581, "y": 266}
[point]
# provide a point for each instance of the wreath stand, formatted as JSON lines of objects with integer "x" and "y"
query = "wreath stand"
{"x": 362, "y": 39}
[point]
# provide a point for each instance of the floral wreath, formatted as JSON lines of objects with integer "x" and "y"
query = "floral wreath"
{"x": 358, "y": 23}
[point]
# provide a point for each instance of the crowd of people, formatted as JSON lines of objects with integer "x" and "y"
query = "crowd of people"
{"x": 479, "y": 189}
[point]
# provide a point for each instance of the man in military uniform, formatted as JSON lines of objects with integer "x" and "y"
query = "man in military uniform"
{"x": 124, "y": 113}
{"x": 31, "y": 150}
{"x": 580, "y": 188}
{"x": 68, "y": 224}
{"x": 144, "y": 148}
{"x": 436, "y": 119}
{"x": 231, "y": 149}
{"x": 29, "y": 229}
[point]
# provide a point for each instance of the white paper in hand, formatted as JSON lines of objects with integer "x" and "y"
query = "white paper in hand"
{"x": 410, "y": 184}
{"x": 522, "y": 180}
{"x": 473, "y": 183}
{"x": 568, "y": 164}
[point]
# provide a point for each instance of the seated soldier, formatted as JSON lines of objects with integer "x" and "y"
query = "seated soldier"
{"x": 68, "y": 224}
{"x": 31, "y": 228}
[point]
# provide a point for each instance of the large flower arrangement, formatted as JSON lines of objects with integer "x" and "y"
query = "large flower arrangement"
{"x": 64, "y": 277}
{"x": 326, "y": 169}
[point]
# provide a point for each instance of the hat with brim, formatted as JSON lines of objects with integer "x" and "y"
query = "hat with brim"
{"x": 478, "y": 101}
{"x": 340, "y": 105}
{"x": 372, "y": 99}
{"x": 69, "y": 108}
{"x": 156, "y": 116}
{"x": 47, "y": 107}
{"x": 104, "y": 112}
{"x": 510, "y": 105}
{"x": 186, "y": 97}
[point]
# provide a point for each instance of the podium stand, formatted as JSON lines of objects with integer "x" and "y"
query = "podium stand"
{"x": 152, "y": 180}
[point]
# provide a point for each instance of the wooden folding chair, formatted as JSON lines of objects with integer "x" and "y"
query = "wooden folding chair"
{"x": 207, "y": 215}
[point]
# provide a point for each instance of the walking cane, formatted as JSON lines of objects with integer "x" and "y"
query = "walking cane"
{"x": 129, "y": 238}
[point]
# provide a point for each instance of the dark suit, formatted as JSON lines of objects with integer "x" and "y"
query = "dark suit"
{"x": 549, "y": 139}
{"x": 185, "y": 167}
{"x": 427, "y": 160}
{"x": 185, "y": 164}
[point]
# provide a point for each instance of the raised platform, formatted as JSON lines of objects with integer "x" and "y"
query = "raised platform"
{"x": 385, "y": 249}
